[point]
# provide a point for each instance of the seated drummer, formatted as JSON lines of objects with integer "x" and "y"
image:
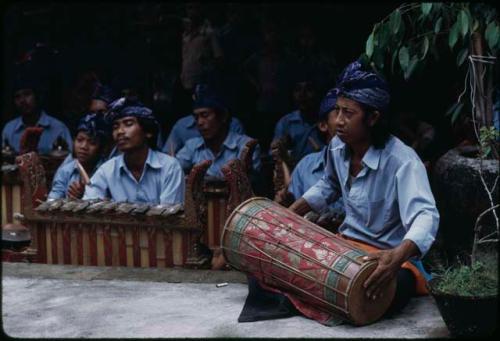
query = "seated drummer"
{"x": 217, "y": 142}
{"x": 390, "y": 209}
{"x": 88, "y": 146}
{"x": 140, "y": 174}
{"x": 27, "y": 103}
{"x": 185, "y": 128}
{"x": 311, "y": 168}
{"x": 300, "y": 125}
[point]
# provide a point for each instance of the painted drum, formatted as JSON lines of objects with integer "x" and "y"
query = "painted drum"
{"x": 304, "y": 261}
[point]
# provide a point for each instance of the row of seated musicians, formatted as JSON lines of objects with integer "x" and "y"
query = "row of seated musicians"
{"x": 97, "y": 232}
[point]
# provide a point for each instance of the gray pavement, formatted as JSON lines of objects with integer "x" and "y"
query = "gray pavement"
{"x": 98, "y": 302}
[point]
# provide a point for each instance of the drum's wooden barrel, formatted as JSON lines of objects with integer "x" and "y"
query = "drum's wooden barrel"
{"x": 289, "y": 253}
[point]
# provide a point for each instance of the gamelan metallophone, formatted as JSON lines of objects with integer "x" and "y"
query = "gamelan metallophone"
{"x": 106, "y": 233}
{"x": 123, "y": 234}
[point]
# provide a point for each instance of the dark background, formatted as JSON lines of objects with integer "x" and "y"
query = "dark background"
{"x": 143, "y": 41}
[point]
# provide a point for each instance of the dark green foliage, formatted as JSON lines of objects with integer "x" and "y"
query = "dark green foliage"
{"x": 480, "y": 279}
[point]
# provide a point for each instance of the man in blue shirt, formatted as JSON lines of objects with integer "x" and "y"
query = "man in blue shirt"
{"x": 388, "y": 201}
{"x": 89, "y": 145}
{"x": 311, "y": 168}
{"x": 300, "y": 125}
{"x": 140, "y": 174}
{"x": 185, "y": 128}
{"x": 27, "y": 105}
{"x": 217, "y": 142}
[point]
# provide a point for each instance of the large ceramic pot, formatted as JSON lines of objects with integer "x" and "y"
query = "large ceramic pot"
{"x": 460, "y": 195}
{"x": 466, "y": 316}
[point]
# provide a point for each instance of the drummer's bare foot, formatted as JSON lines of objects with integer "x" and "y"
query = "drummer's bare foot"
{"x": 218, "y": 261}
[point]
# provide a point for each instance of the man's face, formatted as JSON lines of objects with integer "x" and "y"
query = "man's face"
{"x": 349, "y": 122}
{"x": 128, "y": 134}
{"x": 85, "y": 148}
{"x": 98, "y": 106}
{"x": 208, "y": 122}
{"x": 304, "y": 95}
{"x": 25, "y": 101}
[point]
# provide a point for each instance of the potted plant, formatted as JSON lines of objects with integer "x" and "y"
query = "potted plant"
{"x": 402, "y": 43}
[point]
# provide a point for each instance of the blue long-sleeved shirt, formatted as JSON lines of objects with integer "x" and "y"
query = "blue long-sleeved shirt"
{"x": 300, "y": 133}
{"x": 196, "y": 151}
{"x": 162, "y": 181}
{"x": 307, "y": 173}
{"x": 52, "y": 129}
{"x": 66, "y": 174}
{"x": 388, "y": 201}
{"x": 185, "y": 128}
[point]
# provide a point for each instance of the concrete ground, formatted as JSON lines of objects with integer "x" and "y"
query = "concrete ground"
{"x": 54, "y": 301}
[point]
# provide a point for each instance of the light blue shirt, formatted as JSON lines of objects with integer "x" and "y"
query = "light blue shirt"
{"x": 300, "y": 133}
{"x": 307, "y": 173}
{"x": 52, "y": 129}
{"x": 66, "y": 174}
{"x": 389, "y": 200}
{"x": 161, "y": 182}
{"x": 195, "y": 151}
{"x": 185, "y": 128}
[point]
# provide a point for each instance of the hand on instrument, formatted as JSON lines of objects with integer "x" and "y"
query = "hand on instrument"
{"x": 389, "y": 263}
{"x": 330, "y": 220}
{"x": 300, "y": 206}
{"x": 284, "y": 197}
{"x": 76, "y": 190}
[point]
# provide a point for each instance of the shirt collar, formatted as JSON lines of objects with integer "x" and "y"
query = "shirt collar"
{"x": 320, "y": 160}
{"x": 372, "y": 157}
{"x": 152, "y": 160}
{"x": 230, "y": 141}
{"x": 43, "y": 121}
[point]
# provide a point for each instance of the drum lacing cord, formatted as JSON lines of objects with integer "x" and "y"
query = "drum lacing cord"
{"x": 315, "y": 228}
{"x": 309, "y": 258}
{"x": 307, "y": 238}
{"x": 295, "y": 271}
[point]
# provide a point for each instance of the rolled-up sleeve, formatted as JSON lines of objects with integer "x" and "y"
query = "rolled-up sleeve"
{"x": 417, "y": 206}
{"x": 326, "y": 190}
{"x": 173, "y": 187}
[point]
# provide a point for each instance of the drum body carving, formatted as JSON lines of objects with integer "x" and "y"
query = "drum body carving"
{"x": 307, "y": 263}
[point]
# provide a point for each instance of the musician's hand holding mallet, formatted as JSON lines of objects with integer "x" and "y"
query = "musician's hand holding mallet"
{"x": 76, "y": 190}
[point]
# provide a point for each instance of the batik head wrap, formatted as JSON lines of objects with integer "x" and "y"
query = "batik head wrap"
{"x": 364, "y": 87}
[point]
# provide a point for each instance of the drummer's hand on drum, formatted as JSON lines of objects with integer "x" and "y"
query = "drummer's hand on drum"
{"x": 300, "y": 206}
{"x": 389, "y": 263}
{"x": 284, "y": 198}
{"x": 76, "y": 190}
